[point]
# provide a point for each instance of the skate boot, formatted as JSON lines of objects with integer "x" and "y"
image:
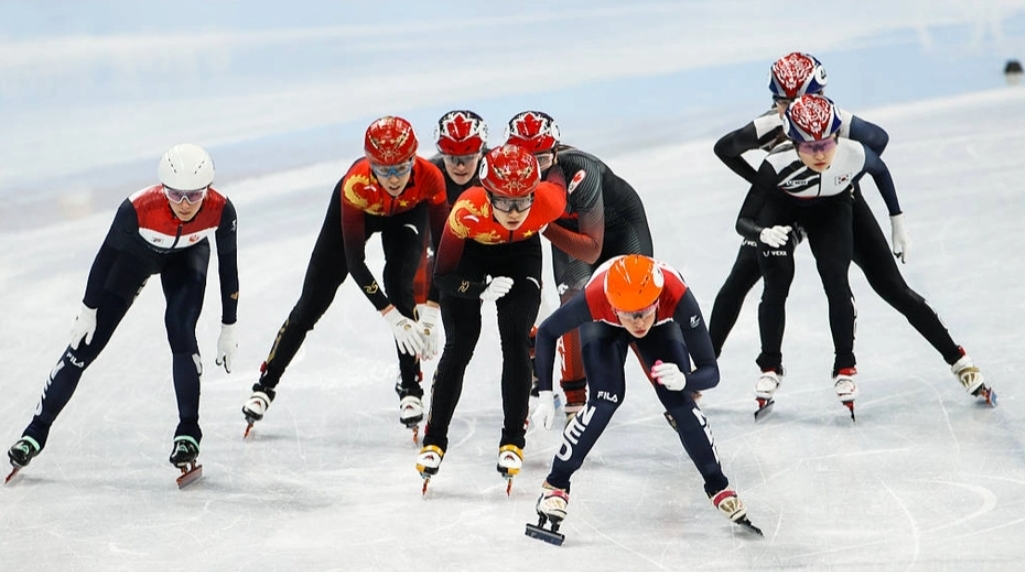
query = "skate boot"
{"x": 765, "y": 388}
{"x": 551, "y": 507}
{"x": 256, "y": 406}
{"x": 971, "y": 379}
{"x": 843, "y": 382}
{"x": 21, "y": 454}
{"x": 411, "y": 413}
{"x": 510, "y": 461}
{"x": 183, "y": 456}
{"x": 729, "y": 504}
{"x": 428, "y": 462}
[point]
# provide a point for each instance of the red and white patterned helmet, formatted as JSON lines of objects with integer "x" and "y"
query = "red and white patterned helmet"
{"x": 390, "y": 140}
{"x": 811, "y": 118}
{"x": 509, "y": 171}
{"x": 535, "y": 131}
{"x": 796, "y": 74}
{"x": 460, "y": 132}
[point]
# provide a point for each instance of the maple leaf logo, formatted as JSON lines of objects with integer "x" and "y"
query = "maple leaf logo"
{"x": 529, "y": 125}
{"x": 458, "y": 127}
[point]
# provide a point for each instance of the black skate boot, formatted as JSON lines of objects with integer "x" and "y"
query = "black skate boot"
{"x": 21, "y": 454}
{"x": 183, "y": 456}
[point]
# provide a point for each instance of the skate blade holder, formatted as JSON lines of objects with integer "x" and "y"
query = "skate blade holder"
{"x": 539, "y": 532}
{"x": 764, "y": 407}
{"x": 190, "y": 474}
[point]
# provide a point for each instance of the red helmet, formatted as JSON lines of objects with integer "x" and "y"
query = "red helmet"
{"x": 509, "y": 171}
{"x": 535, "y": 131}
{"x": 460, "y": 132}
{"x": 390, "y": 140}
{"x": 633, "y": 282}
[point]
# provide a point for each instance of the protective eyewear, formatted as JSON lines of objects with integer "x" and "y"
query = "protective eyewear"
{"x": 813, "y": 147}
{"x": 176, "y": 196}
{"x": 388, "y": 171}
{"x": 508, "y": 204}
{"x": 636, "y": 314}
{"x": 456, "y": 160}
{"x": 545, "y": 160}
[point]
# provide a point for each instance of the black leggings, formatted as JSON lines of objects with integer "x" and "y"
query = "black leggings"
{"x": 828, "y": 225}
{"x": 871, "y": 253}
{"x": 328, "y": 269}
{"x": 183, "y": 278}
{"x": 517, "y": 311}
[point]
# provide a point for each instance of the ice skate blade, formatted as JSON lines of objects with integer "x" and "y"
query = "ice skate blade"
{"x": 987, "y": 396}
{"x": 850, "y": 405}
{"x": 538, "y": 532}
{"x": 249, "y": 428}
{"x": 14, "y": 471}
{"x": 764, "y": 408}
{"x": 746, "y": 525}
{"x": 416, "y": 434}
{"x": 427, "y": 481}
{"x": 189, "y": 475}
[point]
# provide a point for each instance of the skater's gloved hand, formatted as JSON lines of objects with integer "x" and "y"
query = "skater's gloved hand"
{"x": 498, "y": 286}
{"x": 84, "y": 327}
{"x": 407, "y": 335}
{"x": 544, "y": 414}
{"x": 669, "y": 375}
{"x": 775, "y": 236}
{"x": 227, "y": 345}
{"x": 430, "y": 328}
{"x": 901, "y": 240}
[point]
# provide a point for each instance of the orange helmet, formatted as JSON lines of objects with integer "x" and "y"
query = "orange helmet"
{"x": 633, "y": 283}
{"x": 390, "y": 140}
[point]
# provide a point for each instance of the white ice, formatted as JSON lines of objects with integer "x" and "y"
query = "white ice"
{"x": 92, "y": 92}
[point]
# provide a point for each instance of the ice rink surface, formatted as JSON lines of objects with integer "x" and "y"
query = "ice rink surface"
{"x": 926, "y": 479}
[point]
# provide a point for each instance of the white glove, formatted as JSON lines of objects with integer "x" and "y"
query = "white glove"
{"x": 227, "y": 345}
{"x": 775, "y": 236}
{"x": 407, "y": 335}
{"x": 430, "y": 328}
{"x": 84, "y": 327}
{"x": 669, "y": 375}
{"x": 544, "y": 413}
{"x": 498, "y": 287}
{"x": 901, "y": 240}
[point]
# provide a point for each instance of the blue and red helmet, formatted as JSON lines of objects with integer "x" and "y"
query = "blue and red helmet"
{"x": 811, "y": 118}
{"x": 796, "y": 74}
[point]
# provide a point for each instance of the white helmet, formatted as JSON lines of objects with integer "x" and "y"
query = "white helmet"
{"x": 186, "y": 167}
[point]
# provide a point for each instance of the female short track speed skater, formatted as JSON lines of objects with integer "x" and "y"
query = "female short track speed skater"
{"x": 163, "y": 230}
{"x": 461, "y": 138}
{"x": 390, "y": 191}
{"x": 632, "y": 301}
{"x": 790, "y": 77}
{"x": 491, "y": 252}
{"x": 604, "y": 218}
